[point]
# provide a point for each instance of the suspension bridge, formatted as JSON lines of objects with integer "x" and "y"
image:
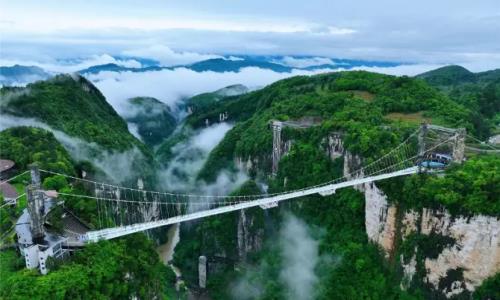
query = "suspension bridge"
{"x": 124, "y": 210}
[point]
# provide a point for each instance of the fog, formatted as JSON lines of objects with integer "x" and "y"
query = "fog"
{"x": 171, "y": 86}
{"x": 298, "y": 249}
{"x": 189, "y": 157}
{"x": 167, "y": 57}
{"x": 116, "y": 165}
{"x": 300, "y": 257}
{"x": 303, "y": 62}
{"x": 53, "y": 65}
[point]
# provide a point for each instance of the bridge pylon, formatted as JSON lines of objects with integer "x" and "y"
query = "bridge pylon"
{"x": 459, "y": 145}
{"x": 35, "y": 205}
{"x": 422, "y": 134}
{"x": 277, "y": 126}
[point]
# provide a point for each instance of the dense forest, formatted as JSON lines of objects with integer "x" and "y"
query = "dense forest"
{"x": 105, "y": 270}
{"x": 98, "y": 271}
{"x": 153, "y": 119}
{"x": 479, "y": 92}
{"x": 374, "y": 112}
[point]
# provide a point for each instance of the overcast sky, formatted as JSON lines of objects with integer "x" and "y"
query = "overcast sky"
{"x": 426, "y": 31}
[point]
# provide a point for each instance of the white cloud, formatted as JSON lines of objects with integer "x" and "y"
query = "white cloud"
{"x": 298, "y": 250}
{"x": 300, "y": 256}
{"x": 118, "y": 166}
{"x": 234, "y": 58}
{"x": 333, "y": 31}
{"x": 171, "y": 86}
{"x": 409, "y": 70}
{"x": 188, "y": 159}
{"x": 304, "y": 62}
{"x": 346, "y": 29}
{"x": 134, "y": 130}
{"x": 74, "y": 65}
{"x": 168, "y": 57}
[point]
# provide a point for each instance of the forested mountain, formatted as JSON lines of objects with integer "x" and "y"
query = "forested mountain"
{"x": 349, "y": 101}
{"x": 73, "y": 105}
{"x": 153, "y": 119}
{"x": 26, "y": 145}
{"x": 18, "y": 74}
{"x": 118, "y": 269}
{"x": 449, "y": 75}
{"x": 371, "y": 112}
{"x": 84, "y": 122}
{"x": 479, "y": 92}
{"x": 202, "y": 101}
{"x": 374, "y": 112}
{"x": 457, "y": 75}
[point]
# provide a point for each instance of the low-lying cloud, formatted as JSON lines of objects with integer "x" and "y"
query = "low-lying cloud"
{"x": 299, "y": 257}
{"x": 172, "y": 86}
{"x": 189, "y": 157}
{"x": 72, "y": 65}
{"x": 168, "y": 57}
{"x": 304, "y": 62}
{"x": 118, "y": 166}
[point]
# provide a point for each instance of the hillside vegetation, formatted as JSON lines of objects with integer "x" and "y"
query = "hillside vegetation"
{"x": 153, "y": 119}
{"x": 335, "y": 99}
{"x": 73, "y": 105}
{"x": 374, "y": 112}
{"x": 479, "y": 92}
{"x": 26, "y": 145}
{"x": 106, "y": 270}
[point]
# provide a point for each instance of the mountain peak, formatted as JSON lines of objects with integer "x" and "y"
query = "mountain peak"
{"x": 448, "y": 75}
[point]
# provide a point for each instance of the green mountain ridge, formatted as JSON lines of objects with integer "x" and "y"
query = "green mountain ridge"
{"x": 479, "y": 92}
{"x": 374, "y": 112}
{"x": 347, "y": 101}
{"x": 152, "y": 117}
{"x": 72, "y": 104}
{"x": 202, "y": 101}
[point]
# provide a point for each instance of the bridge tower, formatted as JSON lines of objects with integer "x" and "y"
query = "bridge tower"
{"x": 277, "y": 126}
{"x": 459, "y": 145}
{"x": 202, "y": 271}
{"x": 35, "y": 205}
{"x": 422, "y": 134}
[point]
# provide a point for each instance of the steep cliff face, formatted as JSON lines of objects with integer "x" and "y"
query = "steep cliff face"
{"x": 334, "y": 147}
{"x": 380, "y": 218}
{"x": 249, "y": 238}
{"x": 458, "y": 253}
{"x": 460, "y": 266}
{"x": 476, "y": 250}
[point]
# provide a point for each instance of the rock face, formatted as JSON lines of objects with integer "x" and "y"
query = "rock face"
{"x": 248, "y": 241}
{"x": 334, "y": 147}
{"x": 380, "y": 218}
{"x": 475, "y": 252}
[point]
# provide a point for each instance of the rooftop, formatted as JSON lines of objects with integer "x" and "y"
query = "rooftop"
{"x": 8, "y": 191}
{"x": 6, "y": 164}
